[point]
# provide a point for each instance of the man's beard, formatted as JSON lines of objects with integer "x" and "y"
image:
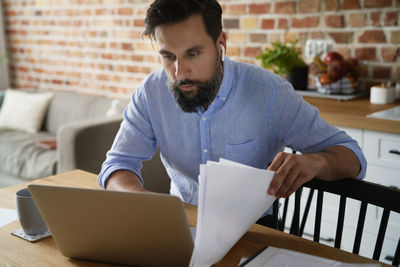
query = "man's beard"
{"x": 205, "y": 93}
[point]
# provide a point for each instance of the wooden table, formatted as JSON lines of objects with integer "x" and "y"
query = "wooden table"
{"x": 15, "y": 251}
{"x": 353, "y": 114}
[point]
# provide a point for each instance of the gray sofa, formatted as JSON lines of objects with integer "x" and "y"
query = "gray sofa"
{"x": 83, "y": 131}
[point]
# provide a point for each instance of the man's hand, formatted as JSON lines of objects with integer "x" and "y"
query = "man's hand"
{"x": 292, "y": 170}
{"x": 124, "y": 181}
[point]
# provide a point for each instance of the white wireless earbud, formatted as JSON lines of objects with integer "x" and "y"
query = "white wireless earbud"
{"x": 222, "y": 52}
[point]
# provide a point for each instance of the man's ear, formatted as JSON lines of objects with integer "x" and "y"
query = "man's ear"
{"x": 222, "y": 44}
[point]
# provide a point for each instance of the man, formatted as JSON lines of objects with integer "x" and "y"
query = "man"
{"x": 202, "y": 106}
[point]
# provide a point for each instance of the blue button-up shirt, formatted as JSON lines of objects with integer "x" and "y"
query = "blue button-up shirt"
{"x": 253, "y": 117}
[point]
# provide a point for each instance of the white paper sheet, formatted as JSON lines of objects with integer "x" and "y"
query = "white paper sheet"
{"x": 7, "y": 216}
{"x": 232, "y": 197}
{"x": 278, "y": 257}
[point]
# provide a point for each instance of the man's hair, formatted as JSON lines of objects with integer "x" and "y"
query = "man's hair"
{"x": 174, "y": 11}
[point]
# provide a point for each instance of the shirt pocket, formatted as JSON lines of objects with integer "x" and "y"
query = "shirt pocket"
{"x": 245, "y": 153}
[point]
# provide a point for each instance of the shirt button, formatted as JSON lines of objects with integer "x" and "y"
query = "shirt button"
{"x": 205, "y": 150}
{"x": 223, "y": 98}
{"x": 204, "y": 118}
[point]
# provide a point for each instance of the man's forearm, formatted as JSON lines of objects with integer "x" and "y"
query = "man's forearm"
{"x": 340, "y": 162}
{"x": 124, "y": 180}
{"x": 292, "y": 171}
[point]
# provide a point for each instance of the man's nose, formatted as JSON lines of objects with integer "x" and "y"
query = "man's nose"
{"x": 181, "y": 69}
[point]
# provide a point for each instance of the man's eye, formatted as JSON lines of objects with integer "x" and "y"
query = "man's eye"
{"x": 168, "y": 57}
{"x": 193, "y": 54}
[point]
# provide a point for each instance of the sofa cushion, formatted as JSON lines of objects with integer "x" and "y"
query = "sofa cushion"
{"x": 70, "y": 106}
{"x": 19, "y": 156}
{"x": 24, "y": 111}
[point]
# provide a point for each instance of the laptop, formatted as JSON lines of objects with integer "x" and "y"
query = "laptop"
{"x": 140, "y": 229}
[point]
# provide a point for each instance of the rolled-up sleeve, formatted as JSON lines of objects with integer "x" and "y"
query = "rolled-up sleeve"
{"x": 134, "y": 142}
{"x": 299, "y": 126}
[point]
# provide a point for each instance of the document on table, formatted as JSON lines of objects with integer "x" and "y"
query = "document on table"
{"x": 279, "y": 257}
{"x": 232, "y": 197}
{"x": 7, "y": 216}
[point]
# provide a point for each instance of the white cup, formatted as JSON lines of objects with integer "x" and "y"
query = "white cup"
{"x": 29, "y": 216}
{"x": 382, "y": 95}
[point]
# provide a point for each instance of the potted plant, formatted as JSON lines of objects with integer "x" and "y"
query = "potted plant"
{"x": 284, "y": 59}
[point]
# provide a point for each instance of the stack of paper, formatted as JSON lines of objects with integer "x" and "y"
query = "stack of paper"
{"x": 232, "y": 197}
{"x": 279, "y": 257}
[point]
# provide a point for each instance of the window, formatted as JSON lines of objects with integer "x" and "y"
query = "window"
{"x": 4, "y": 79}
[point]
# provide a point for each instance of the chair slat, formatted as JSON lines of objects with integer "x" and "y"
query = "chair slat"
{"x": 381, "y": 234}
{"x": 360, "y": 227}
{"x": 294, "y": 229}
{"x": 275, "y": 213}
{"x": 318, "y": 215}
{"x": 339, "y": 227}
{"x": 285, "y": 208}
{"x": 306, "y": 210}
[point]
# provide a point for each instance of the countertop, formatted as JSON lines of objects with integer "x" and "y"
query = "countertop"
{"x": 353, "y": 113}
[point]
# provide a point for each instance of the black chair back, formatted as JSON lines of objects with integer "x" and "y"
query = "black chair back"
{"x": 367, "y": 193}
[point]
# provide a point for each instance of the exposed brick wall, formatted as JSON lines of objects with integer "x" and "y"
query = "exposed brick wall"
{"x": 95, "y": 46}
{"x": 365, "y": 29}
{"x": 90, "y": 46}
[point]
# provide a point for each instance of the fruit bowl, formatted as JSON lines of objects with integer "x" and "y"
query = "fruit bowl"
{"x": 334, "y": 74}
{"x": 343, "y": 86}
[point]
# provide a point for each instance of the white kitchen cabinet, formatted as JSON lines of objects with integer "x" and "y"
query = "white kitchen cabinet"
{"x": 381, "y": 151}
{"x": 356, "y": 134}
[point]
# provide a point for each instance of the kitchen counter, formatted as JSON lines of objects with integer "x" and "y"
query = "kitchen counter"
{"x": 354, "y": 113}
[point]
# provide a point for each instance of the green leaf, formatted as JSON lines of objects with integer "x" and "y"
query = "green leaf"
{"x": 281, "y": 58}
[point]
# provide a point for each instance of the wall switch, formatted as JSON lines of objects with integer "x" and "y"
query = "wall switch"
{"x": 315, "y": 47}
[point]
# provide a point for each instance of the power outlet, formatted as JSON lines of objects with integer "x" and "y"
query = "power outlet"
{"x": 315, "y": 47}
